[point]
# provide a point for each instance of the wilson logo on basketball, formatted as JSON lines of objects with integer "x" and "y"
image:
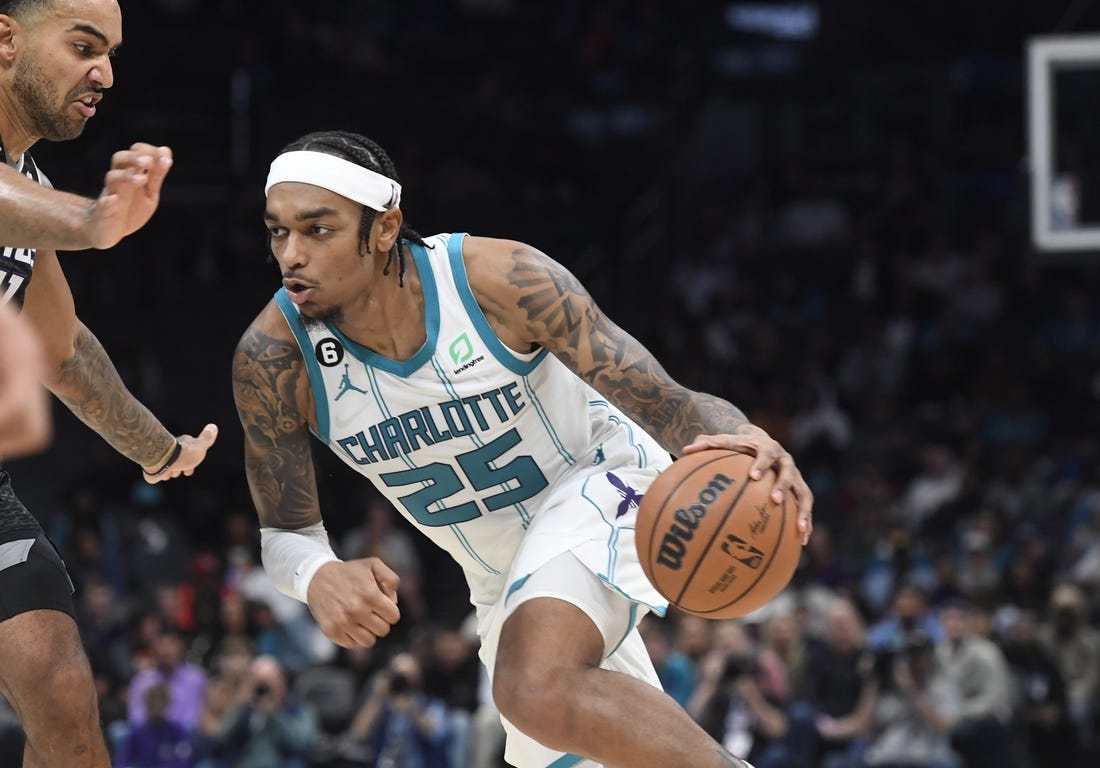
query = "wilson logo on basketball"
{"x": 674, "y": 543}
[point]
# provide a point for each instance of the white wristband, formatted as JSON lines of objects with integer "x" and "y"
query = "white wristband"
{"x": 291, "y": 558}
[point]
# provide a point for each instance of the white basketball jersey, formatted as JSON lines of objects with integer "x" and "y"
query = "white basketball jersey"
{"x": 472, "y": 441}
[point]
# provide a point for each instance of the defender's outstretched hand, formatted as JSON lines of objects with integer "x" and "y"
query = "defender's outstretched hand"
{"x": 192, "y": 452}
{"x": 354, "y": 602}
{"x": 769, "y": 454}
{"x": 131, "y": 193}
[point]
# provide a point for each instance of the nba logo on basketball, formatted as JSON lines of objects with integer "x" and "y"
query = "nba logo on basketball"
{"x": 741, "y": 551}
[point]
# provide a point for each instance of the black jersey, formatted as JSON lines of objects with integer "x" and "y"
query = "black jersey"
{"x": 15, "y": 274}
{"x": 16, "y": 263}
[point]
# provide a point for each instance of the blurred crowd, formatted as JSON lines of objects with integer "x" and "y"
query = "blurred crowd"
{"x": 832, "y": 235}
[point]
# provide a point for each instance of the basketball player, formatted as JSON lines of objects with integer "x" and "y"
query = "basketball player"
{"x": 505, "y": 416}
{"x": 54, "y": 67}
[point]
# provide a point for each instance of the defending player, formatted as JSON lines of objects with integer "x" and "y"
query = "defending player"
{"x": 54, "y": 67}
{"x": 477, "y": 384}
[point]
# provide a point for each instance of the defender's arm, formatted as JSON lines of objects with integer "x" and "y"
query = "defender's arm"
{"x": 81, "y": 374}
{"x": 35, "y": 215}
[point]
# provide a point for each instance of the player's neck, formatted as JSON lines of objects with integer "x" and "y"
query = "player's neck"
{"x": 13, "y": 136}
{"x": 389, "y": 319}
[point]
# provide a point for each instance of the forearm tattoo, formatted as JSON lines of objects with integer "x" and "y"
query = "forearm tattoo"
{"x": 90, "y": 386}
{"x": 268, "y": 378}
{"x": 560, "y": 310}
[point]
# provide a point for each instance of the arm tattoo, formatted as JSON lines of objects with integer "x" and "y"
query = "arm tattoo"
{"x": 268, "y": 378}
{"x": 90, "y": 386}
{"x": 562, "y": 316}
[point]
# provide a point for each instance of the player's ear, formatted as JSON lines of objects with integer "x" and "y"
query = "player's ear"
{"x": 9, "y": 34}
{"x": 387, "y": 226}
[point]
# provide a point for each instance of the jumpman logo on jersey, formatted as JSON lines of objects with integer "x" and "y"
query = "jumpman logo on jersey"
{"x": 346, "y": 385}
{"x": 600, "y": 459}
{"x": 630, "y": 496}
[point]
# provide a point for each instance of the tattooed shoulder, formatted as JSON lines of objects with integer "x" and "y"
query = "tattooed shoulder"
{"x": 268, "y": 376}
{"x": 557, "y": 310}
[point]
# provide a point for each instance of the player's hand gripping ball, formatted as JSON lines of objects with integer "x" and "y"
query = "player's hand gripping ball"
{"x": 712, "y": 541}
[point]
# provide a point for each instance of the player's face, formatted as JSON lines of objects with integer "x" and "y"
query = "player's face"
{"x": 315, "y": 240}
{"x": 60, "y": 75}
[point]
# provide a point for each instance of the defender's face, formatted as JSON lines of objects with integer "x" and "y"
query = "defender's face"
{"x": 64, "y": 65}
{"x": 315, "y": 240}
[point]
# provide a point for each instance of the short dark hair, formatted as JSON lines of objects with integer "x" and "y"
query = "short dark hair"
{"x": 22, "y": 8}
{"x": 362, "y": 151}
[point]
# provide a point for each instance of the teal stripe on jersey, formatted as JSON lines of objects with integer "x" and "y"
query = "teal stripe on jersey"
{"x": 316, "y": 380}
{"x": 385, "y": 410}
{"x": 506, "y": 357}
{"x": 566, "y": 456}
{"x": 515, "y": 585}
{"x": 524, "y": 515}
{"x": 405, "y": 368}
{"x": 643, "y": 460}
{"x": 565, "y": 761}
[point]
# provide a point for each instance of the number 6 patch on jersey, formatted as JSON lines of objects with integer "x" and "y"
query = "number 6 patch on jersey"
{"x": 329, "y": 352}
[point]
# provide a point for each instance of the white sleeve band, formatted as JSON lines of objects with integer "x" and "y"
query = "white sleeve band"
{"x": 291, "y": 558}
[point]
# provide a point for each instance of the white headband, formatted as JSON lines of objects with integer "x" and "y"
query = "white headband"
{"x": 337, "y": 175}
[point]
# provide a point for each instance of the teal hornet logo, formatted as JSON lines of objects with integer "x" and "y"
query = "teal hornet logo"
{"x": 461, "y": 349}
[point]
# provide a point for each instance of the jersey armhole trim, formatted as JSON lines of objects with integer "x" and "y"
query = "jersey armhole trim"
{"x": 509, "y": 359}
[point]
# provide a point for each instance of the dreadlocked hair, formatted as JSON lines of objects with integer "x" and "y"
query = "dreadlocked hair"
{"x": 362, "y": 151}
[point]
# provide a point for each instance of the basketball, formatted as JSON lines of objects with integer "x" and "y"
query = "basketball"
{"x": 712, "y": 541}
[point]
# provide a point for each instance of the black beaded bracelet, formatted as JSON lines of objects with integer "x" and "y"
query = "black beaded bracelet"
{"x": 171, "y": 460}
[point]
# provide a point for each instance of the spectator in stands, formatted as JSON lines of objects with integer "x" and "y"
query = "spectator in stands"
{"x": 909, "y": 611}
{"x": 336, "y": 688}
{"x": 977, "y": 668}
{"x": 229, "y": 686}
{"x": 158, "y": 742}
{"x": 839, "y": 682}
{"x": 185, "y": 681}
{"x": 1075, "y": 644}
{"x": 101, "y": 617}
{"x": 399, "y": 723}
{"x": 270, "y": 729}
{"x": 693, "y": 635}
{"x": 452, "y": 674}
{"x": 740, "y": 699}
{"x": 939, "y": 483}
{"x": 1049, "y": 733}
{"x": 908, "y": 716}
{"x": 784, "y": 635}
